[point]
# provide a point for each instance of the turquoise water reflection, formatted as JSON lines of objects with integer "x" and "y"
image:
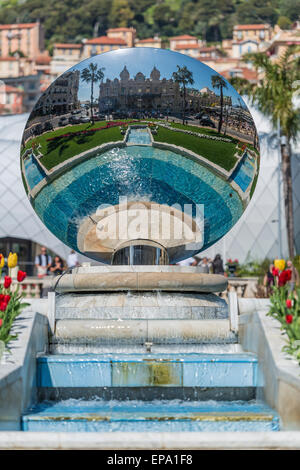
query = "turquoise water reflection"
{"x": 139, "y": 173}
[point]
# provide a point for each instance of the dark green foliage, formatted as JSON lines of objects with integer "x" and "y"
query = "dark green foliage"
{"x": 213, "y": 20}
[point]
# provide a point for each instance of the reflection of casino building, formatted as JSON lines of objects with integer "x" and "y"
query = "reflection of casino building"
{"x": 62, "y": 96}
{"x": 149, "y": 94}
{"x": 146, "y": 94}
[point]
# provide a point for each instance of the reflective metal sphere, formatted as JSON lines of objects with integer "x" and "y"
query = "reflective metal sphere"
{"x": 140, "y": 144}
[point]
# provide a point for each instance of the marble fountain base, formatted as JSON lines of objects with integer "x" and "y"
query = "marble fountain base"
{"x": 139, "y": 305}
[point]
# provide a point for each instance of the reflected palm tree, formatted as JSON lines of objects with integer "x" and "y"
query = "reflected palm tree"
{"x": 184, "y": 77}
{"x": 218, "y": 82}
{"x": 92, "y": 74}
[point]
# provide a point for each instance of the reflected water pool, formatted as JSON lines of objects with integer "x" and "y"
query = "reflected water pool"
{"x": 139, "y": 136}
{"x": 244, "y": 173}
{"x": 34, "y": 174}
{"x": 138, "y": 173}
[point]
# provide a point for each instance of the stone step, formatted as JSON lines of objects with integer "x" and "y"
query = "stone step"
{"x": 141, "y": 305}
{"x": 141, "y": 331}
{"x": 101, "y": 416}
{"x": 147, "y": 370}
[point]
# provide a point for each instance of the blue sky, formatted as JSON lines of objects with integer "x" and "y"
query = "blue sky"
{"x": 143, "y": 60}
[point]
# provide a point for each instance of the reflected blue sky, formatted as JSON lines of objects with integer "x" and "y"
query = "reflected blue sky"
{"x": 143, "y": 60}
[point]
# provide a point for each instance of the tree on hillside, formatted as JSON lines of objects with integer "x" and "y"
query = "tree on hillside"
{"x": 184, "y": 77}
{"x": 92, "y": 74}
{"x": 274, "y": 96}
{"x": 120, "y": 14}
{"x": 254, "y": 11}
{"x": 219, "y": 83}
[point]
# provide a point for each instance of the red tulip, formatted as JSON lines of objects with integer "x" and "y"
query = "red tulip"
{"x": 21, "y": 276}
{"x": 284, "y": 277}
{"x": 289, "y": 318}
{"x": 288, "y": 274}
{"x": 6, "y": 298}
{"x": 2, "y": 297}
{"x": 1, "y": 322}
{"x": 289, "y": 303}
{"x": 7, "y": 281}
{"x": 275, "y": 272}
{"x": 3, "y": 306}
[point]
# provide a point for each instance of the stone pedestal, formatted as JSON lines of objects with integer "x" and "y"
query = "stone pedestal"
{"x": 136, "y": 305}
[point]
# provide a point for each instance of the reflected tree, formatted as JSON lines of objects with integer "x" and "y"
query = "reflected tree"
{"x": 219, "y": 83}
{"x": 92, "y": 75}
{"x": 184, "y": 77}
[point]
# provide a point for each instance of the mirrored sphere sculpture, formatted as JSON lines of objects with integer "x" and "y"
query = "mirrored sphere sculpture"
{"x": 140, "y": 148}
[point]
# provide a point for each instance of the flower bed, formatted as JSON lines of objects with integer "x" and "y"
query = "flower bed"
{"x": 197, "y": 134}
{"x": 11, "y": 303}
{"x": 90, "y": 131}
{"x": 285, "y": 307}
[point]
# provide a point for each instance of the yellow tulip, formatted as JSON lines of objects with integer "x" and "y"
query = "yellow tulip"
{"x": 2, "y": 260}
{"x": 12, "y": 260}
{"x": 279, "y": 264}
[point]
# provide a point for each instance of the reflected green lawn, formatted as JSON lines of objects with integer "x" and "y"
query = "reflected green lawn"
{"x": 61, "y": 144}
{"x": 220, "y": 153}
{"x": 64, "y": 144}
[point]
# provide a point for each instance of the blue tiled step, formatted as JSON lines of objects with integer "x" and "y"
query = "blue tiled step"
{"x": 148, "y": 370}
{"x": 157, "y": 416}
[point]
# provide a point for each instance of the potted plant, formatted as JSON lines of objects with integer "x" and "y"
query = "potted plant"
{"x": 232, "y": 266}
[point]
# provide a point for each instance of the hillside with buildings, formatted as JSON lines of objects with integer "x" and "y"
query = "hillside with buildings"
{"x": 33, "y": 54}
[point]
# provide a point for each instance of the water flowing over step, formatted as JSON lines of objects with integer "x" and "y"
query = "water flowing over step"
{"x": 134, "y": 305}
{"x": 157, "y": 416}
{"x": 132, "y": 350}
{"x": 202, "y": 376}
{"x": 100, "y": 332}
{"x": 135, "y": 318}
